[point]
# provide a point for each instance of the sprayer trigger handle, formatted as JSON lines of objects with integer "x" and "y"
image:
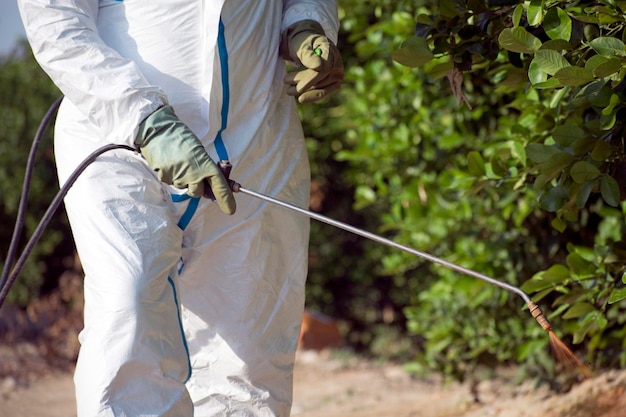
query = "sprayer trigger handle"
{"x": 226, "y": 167}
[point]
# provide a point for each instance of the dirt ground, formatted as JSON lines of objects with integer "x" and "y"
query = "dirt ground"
{"x": 331, "y": 387}
{"x": 38, "y": 348}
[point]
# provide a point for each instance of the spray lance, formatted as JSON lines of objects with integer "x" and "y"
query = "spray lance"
{"x": 562, "y": 353}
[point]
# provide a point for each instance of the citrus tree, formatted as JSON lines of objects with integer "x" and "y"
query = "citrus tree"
{"x": 489, "y": 133}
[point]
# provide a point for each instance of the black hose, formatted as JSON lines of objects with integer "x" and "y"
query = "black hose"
{"x": 21, "y": 211}
{"x": 8, "y": 279}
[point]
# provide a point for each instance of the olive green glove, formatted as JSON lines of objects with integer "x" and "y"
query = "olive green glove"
{"x": 179, "y": 159}
{"x": 321, "y": 74}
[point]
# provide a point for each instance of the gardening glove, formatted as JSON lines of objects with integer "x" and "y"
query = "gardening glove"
{"x": 321, "y": 69}
{"x": 179, "y": 159}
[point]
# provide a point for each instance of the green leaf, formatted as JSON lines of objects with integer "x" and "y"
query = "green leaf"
{"x": 607, "y": 121}
{"x": 438, "y": 68}
{"x": 365, "y": 194}
{"x": 557, "y": 97}
{"x": 609, "y": 188}
{"x": 538, "y": 152}
{"x": 475, "y": 164}
{"x": 578, "y": 310}
{"x": 608, "y": 46}
{"x": 557, "y": 24}
{"x": 535, "y": 12}
{"x": 596, "y": 60}
{"x": 550, "y": 61}
{"x": 535, "y": 74}
{"x": 579, "y": 266}
{"x": 583, "y": 171}
{"x": 518, "y": 151}
{"x": 583, "y": 145}
{"x": 618, "y": 294}
{"x": 554, "y": 199}
{"x": 558, "y": 224}
{"x": 597, "y": 92}
{"x": 572, "y": 297}
{"x": 557, "y": 163}
{"x": 574, "y": 76}
{"x": 565, "y": 135}
{"x": 557, "y": 45}
{"x": 610, "y": 67}
{"x": 518, "y": 12}
{"x": 593, "y": 321}
{"x": 518, "y": 39}
{"x": 582, "y": 196}
{"x": 414, "y": 52}
{"x": 550, "y": 83}
{"x": 601, "y": 151}
{"x": 613, "y": 102}
{"x": 451, "y": 8}
{"x": 556, "y": 274}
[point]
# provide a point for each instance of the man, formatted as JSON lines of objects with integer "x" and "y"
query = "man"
{"x": 191, "y": 307}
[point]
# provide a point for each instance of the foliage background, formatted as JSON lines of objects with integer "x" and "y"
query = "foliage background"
{"x": 455, "y": 136}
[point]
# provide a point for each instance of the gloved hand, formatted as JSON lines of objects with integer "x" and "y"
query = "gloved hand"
{"x": 179, "y": 159}
{"x": 305, "y": 44}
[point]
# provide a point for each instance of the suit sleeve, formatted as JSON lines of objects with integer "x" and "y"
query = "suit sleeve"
{"x": 108, "y": 89}
{"x": 322, "y": 11}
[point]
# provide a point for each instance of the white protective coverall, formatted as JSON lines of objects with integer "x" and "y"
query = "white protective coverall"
{"x": 188, "y": 311}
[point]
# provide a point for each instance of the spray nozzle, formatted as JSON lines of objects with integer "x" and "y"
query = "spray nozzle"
{"x": 537, "y": 313}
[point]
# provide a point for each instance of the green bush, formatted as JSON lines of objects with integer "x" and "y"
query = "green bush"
{"x": 502, "y": 152}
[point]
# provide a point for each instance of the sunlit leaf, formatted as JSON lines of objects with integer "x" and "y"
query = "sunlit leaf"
{"x": 618, "y": 294}
{"x": 550, "y": 61}
{"x": 535, "y": 12}
{"x": 608, "y": 46}
{"x": 438, "y": 68}
{"x": 556, "y": 274}
{"x": 574, "y": 76}
{"x": 535, "y": 74}
{"x": 518, "y": 39}
{"x": 414, "y": 52}
{"x": 550, "y": 83}
{"x": 558, "y": 224}
{"x": 594, "y": 61}
{"x": 558, "y": 24}
{"x": 518, "y": 12}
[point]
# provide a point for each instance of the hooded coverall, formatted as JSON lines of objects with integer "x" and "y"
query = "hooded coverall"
{"x": 188, "y": 311}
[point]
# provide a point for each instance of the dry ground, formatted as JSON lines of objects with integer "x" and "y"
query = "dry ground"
{"x": 327, "y": 387}
{"x": 38, "y": 348}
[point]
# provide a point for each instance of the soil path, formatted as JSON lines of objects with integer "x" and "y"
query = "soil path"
{"x": 327, "y": 387}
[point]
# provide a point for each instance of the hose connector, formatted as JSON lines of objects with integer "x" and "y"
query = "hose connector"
{"x": 536, "y": 312}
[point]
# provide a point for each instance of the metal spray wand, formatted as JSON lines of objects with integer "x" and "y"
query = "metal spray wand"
{"x": 535, "y": 310}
